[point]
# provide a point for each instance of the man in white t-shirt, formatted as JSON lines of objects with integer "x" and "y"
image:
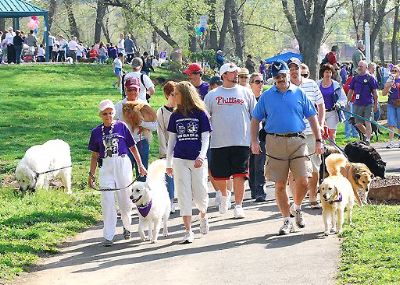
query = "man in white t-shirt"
{"x": 313, "y": 93}
{"x": 146, "y": 85}
{"x": 230, "y": 107}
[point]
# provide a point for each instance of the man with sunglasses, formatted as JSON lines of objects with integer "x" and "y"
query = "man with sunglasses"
{"x": 194, "y": 73}
{"x": 284, "y": 106}
{"x": 230, "y": 107}
{"x": 313, "y": 93}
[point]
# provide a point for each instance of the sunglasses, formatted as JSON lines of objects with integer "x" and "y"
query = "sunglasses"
{"x": 258, "y": 81}
{"x": 243, "y": 76}
{"x": 106, "y": 113}
{"x": 305, "y": 75}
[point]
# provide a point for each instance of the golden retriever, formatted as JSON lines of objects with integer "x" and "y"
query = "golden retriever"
{"x": 336, "y": 195}
{"x": 135, "y": 112}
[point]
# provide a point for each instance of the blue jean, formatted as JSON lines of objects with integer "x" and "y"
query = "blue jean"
{"x": 143, "y": 147}
{"x": 170, "y": 186}
{"x": 349, "y": 129}
{"x": 256, "y": 173}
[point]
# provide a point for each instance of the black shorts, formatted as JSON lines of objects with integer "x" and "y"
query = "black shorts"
{"x": 229, "y": 161}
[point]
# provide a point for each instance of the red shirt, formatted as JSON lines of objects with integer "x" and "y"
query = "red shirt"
{"x": 331, "y": 58}
{"x": 93, "y": 53}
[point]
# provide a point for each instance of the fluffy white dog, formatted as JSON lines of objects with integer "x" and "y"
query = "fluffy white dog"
{"x": 152, "y": 200}
{"x": 336, "y": 194}
{"x": 39, "y": 159}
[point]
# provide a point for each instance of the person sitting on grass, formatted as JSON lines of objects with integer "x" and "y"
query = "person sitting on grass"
{"x": 110, "y": 142}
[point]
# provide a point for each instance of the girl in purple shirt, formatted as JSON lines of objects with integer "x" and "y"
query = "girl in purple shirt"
{"x": 110, "y": 143}
{"x": 189, "y": 133}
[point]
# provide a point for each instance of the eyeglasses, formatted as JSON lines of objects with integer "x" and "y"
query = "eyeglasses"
{"x": 258, "y": 81}
{"x": 305, "y": 75}
{"x": 106, "y": 113}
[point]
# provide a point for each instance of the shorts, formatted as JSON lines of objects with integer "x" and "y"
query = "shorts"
{"x": 315, "y": 158}
{"x": 331, "y": 120}
{"x": 229, "y": 161}
{"x": 393, "y": 116}
{"x": 363, "y": 111}
{"x": 117, "y": 71}
{"x": 286, "y": 148}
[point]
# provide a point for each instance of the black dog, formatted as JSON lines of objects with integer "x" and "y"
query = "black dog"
{"x": 363, "y": 153}
{"x": 375, "y": 130}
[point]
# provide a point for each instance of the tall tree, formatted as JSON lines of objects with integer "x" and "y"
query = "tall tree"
{"x": 212, "y": 25}
{"x": 100, "y": 13}
{"x": 225, "y": 23}
{"x": 394, "y": 41}
{"x": 308, "y": 27}
{"x": 377, "y": 22}
{"x": 73, "y": 27}
{"x": 237, "y": 30}
{"x": 52, "y": 12}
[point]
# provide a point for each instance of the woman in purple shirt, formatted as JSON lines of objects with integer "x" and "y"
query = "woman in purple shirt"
{"x": 334, "y": 99}
{"x": 392, "y": 88}
{"x": 110, "y": 143}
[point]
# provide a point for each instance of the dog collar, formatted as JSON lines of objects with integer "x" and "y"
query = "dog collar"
{"x": 145, "y": 209}
{"x": 339, "y": 199}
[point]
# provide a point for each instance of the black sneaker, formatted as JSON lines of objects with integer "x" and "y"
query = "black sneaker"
{"x": 126, "y": 234}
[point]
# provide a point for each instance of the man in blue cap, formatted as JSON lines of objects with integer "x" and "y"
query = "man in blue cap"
{"x": 284, "y": 106}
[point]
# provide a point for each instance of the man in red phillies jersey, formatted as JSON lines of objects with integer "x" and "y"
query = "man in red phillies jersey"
{"x": 230, "y": 107}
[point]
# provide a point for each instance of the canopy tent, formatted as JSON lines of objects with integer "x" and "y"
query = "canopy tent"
{"x": 15, "y": 9}
{"x": 284, "y": 56}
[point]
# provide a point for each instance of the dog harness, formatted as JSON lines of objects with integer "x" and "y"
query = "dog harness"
{"x": 339, "y": 199}
{"x": 145, "y": 209}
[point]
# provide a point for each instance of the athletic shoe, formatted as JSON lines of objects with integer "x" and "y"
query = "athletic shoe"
{"x": 188, "y": 237}
{"x": 238, "y": 212}
{"x": 126, "y": 234}
{"x": 298, "y": 214}
{"x": 286, "y": 228}
{"x": 259, "y": 199}
{"x": 107, "y": 243}
{"x": 172, "y": 207}
{"x": 217, "y": 198}
{"x": 225, "y": 204}
{"x": 390, "y": 144}
{"x": 204, "y": 227}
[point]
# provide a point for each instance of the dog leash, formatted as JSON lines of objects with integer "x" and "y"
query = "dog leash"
{"x": 365, "y": 119}
{"x": 114, "y": 189}
{"x": 37, "y": 174}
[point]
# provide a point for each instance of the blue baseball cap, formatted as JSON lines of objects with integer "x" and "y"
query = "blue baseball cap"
{"x": 279, "y": 67}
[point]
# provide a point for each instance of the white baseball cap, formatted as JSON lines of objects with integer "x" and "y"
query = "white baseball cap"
{"x": 228, "y": 67}
{"x": 105, "y": 104}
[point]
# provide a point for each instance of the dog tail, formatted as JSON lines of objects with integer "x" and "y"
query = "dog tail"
{"x": 334, "y": 162}
{"x": 156, "y": 171}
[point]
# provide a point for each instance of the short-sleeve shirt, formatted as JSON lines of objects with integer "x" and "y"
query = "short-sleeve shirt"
{"x": 363, "y": 85}
{"x": 284, "y": 111}
{"x": 188, "y": 133}
{"x": 118, "y": 63}
{"x": 116, "y": 143}
{"x": 394, "y": 91}
{"x": 203, "y": 89}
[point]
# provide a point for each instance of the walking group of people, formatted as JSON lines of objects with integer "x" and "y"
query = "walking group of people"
{"x": 228, "y": 130}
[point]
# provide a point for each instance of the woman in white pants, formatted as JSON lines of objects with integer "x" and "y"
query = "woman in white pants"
{"x": 110, "y": 143}
{"x": 189, "y": 133}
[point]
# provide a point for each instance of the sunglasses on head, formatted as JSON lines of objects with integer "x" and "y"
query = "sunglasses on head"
{"x": 258, "y": 81}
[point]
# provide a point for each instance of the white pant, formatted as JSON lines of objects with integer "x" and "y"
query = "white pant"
{"x": 116, "y": 172}
{"x": 190, "y": 183}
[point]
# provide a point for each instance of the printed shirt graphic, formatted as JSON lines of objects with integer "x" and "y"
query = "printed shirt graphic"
{"x": 117, "y": 143}
{"x": 188, "y": 133}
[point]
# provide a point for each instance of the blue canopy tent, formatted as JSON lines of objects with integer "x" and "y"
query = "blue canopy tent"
{"x": 283, "y": 56}
{"x": 15, "y": 9}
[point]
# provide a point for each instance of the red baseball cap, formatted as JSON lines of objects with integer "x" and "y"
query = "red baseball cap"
{"x": 193, "y": 68}
{"x": 132, "y": 84}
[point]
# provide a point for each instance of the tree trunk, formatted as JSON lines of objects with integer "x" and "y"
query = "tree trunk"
{"x": 381, "y": 48}
{"x": 308, "y": 28}
{"x": 2, "y": 24}
{"x": 155, "y": 41}
{"x": 106, "y": 32}
{"x": 237, "y": 31}
{"x": 395, "y": 33}
{"x": 225, "y": 23}
{"x": 375, "y": 25}
{"x": 212, "y": 24}
{"x": 100, "y": 13}
{"x": 73, "y": 27}
{"x": 190, "y": 29}
{"x": 52, "y": 12}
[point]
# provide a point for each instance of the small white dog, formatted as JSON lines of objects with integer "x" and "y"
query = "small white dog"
{"x": 35, "y": 168}
{"x": 152, "y": 200}
{"x": 336, "y": 194}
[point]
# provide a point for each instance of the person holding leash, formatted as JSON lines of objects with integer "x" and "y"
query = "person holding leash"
{"x": 110, "y": 143}
{"x": 284, "y": 106}
{"x": 189, "y": 134}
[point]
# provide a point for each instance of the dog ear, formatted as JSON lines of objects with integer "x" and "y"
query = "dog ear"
{"x": 372, "y": 176}
{"x": 357, "y": 176}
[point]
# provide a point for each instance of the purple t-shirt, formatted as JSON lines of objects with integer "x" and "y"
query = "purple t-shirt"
{"x": 327, "y": 93}
{"x": 394, "y": 91}
{"x": 188, "y": 133}
{"x": 203, "y": 89}
{"x": 363, "y": 85}
{"x": 118, "y": 142}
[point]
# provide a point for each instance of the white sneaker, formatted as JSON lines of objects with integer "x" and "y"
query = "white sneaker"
{"x": 188, "y": 237}
{"x": 204, "y": 227}
{"x": 238, "y": 212}
{"x": 225, "y": 204}
{"x": 172, "y": 207}
{"x": 218, "y": 197}
{"x": 390, "y": 144}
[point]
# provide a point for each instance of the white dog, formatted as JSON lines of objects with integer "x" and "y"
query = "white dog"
{"x": 35, "y": 168}
{"x": 152, "y": 200}
{"x": 336, "y": 194}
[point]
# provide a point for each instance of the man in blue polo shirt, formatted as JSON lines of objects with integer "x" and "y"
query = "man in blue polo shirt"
{"x": 284, "y": 106}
